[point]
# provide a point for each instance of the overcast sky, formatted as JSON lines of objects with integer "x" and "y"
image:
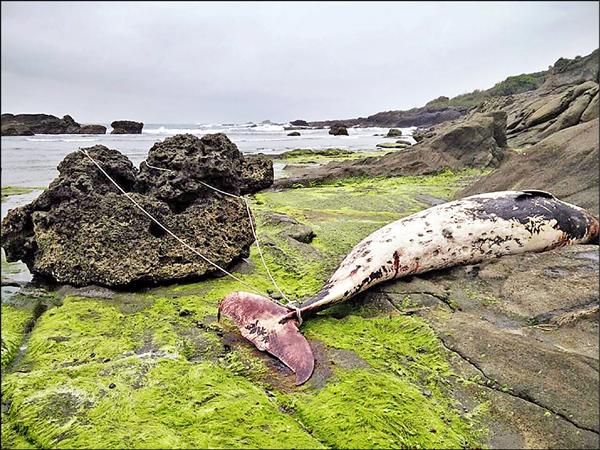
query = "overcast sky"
{"x": 201, "y": 62}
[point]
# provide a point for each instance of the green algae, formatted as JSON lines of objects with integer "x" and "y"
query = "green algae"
{"x": 9, "y": 191}
{"x": 361, "y": 409}
{"x": 309, "y": 156}
{"x": 15, "y": 321}
{"x": 167, "y": 403}
{"x": 398, "y": 145}
{"x": 178, "y": 382}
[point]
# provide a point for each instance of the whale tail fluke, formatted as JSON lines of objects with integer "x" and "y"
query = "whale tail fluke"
{"x": 271, "y": 328}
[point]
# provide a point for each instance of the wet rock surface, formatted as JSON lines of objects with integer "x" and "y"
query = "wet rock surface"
{"x": 83, "y": 231}
{"x": 565, "y": 164}
{"x": 524, "y": 330}
{"x": 520, "y": 333}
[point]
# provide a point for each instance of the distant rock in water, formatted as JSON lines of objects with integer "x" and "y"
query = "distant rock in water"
{"x": 394, "y": 132}
{"x": 294, "y": 133}
{"x": 126, "y": 127}
{"x": 30, "y": 124}
{"x": 92, "y": 129}
{"x": 338, "y": 130}
{"x": 299, "y": 123}
{"x": 83, "y": 231}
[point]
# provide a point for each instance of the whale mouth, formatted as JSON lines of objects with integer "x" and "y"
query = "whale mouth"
{"x": 271, "y": 328}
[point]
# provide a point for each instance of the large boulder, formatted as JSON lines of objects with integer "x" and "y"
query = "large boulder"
{"x": 126, "y": 127}
{"x": 394, "y": 132}
{"x": 29, "y": 124}
{"x": 256, "y": 174}
{"x": 592, "y": 110}
{"x": 92, "y": 129}
{"x": 565, "y": 163}
{"x": 82, "y": 230}
{"x": 338, "y": 130}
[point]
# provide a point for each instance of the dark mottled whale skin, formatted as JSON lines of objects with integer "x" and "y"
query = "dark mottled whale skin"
{"x": 466, "y": 231}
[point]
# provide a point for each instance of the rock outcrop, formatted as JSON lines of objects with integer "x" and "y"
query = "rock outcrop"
{"x": 30, "y": 124}
{"x": 299, "y": 123}
{"x": 522, "y": 328}
{"x": 92, "y": 129}
{"x": 421, "y": 117}
{"x": 83, "y": 231}
{"x": 256, "y": 174}
{"x": 535, "y": 115}
{"x": 477, "y": 142}
{"x": 126, "y": 127}
{"x": 567, "y": 71}
{"x": 563, "y": 74}
{"x": 338, "y": 130}
{"x": 394, "y": 132}
{"x": 565, "y": 164}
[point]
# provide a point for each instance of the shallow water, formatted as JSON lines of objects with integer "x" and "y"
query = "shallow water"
{"x": 32, "y": 160}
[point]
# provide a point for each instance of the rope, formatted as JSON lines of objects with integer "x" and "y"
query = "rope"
{"x": 262, "y": 258}
{"x": 181, "y": 241}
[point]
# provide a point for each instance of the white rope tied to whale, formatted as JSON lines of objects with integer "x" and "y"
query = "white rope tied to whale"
{"x": 185, "y": 244}
{"x": 262, "y": 258}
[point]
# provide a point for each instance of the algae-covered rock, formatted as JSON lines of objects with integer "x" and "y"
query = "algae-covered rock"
{"x": 155, "y": 369}
{"x": 398, "y": 144}
{"x": 82, "y": 230}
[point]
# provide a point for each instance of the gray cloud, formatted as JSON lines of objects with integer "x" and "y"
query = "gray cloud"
{"x": 203, "y": 62}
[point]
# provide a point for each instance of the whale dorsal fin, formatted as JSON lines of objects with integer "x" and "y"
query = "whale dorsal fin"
{"x": 534, "y": 193}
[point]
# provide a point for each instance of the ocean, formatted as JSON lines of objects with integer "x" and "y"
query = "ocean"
{"x": 31, "y": 161}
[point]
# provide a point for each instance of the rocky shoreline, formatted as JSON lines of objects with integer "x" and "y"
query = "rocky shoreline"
{"x": 564, "y": 72}
{"x": 502, "y": 354}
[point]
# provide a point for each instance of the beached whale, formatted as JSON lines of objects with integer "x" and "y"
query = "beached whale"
{"x": 467, "y": 231}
